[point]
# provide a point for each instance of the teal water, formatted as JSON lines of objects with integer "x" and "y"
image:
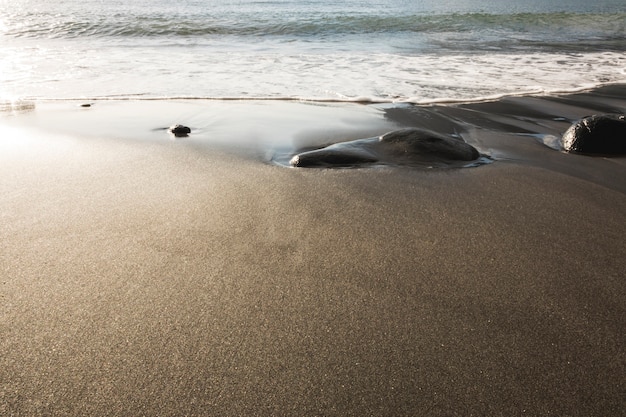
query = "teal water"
{"x": 380, "y": 50}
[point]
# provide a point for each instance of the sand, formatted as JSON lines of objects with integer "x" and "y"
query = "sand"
{"x": 142, "y": 275}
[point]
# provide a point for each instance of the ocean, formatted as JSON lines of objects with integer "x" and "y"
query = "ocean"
{"x": 366, "y": 50}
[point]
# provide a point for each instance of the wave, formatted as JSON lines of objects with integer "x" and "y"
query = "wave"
{"x": 28, "y": 103}
{"x": 47, "y": 25}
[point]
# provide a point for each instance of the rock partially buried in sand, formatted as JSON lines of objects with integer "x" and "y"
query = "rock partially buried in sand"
{"x": 598, "y": 134}
{"x": 401, "y": 147}
{"x": 340, "y": 154}
{"x": 425, "y": 142}
{"x": 179, "y": 131}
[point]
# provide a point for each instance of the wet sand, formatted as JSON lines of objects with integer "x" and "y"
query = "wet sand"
{"x": 148, "y": 276}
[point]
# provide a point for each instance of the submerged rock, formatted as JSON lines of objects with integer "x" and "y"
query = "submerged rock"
{"x": 400, "y": 147}
{"x": 179, "y": 130}
{"x": 598, "y": 134}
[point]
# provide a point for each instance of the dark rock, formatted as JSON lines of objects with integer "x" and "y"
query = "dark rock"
{"x": 180, "y": 131}
{"x": 598, "y": 134}
{"x": 424, "y": 142}
{"x": 401, "y": 147}
{"x": 340, "y": 155}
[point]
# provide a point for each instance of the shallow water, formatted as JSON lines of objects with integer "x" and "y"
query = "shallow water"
{"x": 524, "y": 130}
{"x": 377, "y": 50}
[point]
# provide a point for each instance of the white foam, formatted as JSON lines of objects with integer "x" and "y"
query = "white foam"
{"x": 75, "y": 70}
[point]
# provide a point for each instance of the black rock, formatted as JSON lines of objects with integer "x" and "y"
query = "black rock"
{"x": 343, "y": 154}
{"x": 599, "y": 134}
{"x": 401, "y": 147}
{"x": 180, "y": 131}
{"x": 425, "y": 142}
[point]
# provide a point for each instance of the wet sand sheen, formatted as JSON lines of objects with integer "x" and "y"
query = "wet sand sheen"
{"x": 162, "y": 277}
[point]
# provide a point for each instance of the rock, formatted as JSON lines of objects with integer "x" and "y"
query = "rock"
{"x": 598, "y": 134}
{"x": 424, "y": 142}
{"x": 179, "y": 131}
{"x": 340, "y": 154}
{"x": 401, "y": 147}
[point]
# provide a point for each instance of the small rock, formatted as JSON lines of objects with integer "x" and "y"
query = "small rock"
{"x": 179, "y": 131}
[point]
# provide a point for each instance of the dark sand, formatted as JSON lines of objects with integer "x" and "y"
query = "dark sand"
{"x": 148, "y": 276}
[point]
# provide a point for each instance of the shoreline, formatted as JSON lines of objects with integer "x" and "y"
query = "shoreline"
{"x": 524, "y": 128}
{"x": 329, "y": 100}
{"x": 143, "y": 275}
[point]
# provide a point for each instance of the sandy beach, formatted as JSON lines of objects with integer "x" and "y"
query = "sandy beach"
{"x": 147, "y": 276}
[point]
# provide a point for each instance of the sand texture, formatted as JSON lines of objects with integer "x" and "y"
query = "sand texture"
{"x": 142, "y": 275}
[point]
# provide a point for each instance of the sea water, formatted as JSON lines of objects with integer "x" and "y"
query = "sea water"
{"x": 351, "y": 50}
